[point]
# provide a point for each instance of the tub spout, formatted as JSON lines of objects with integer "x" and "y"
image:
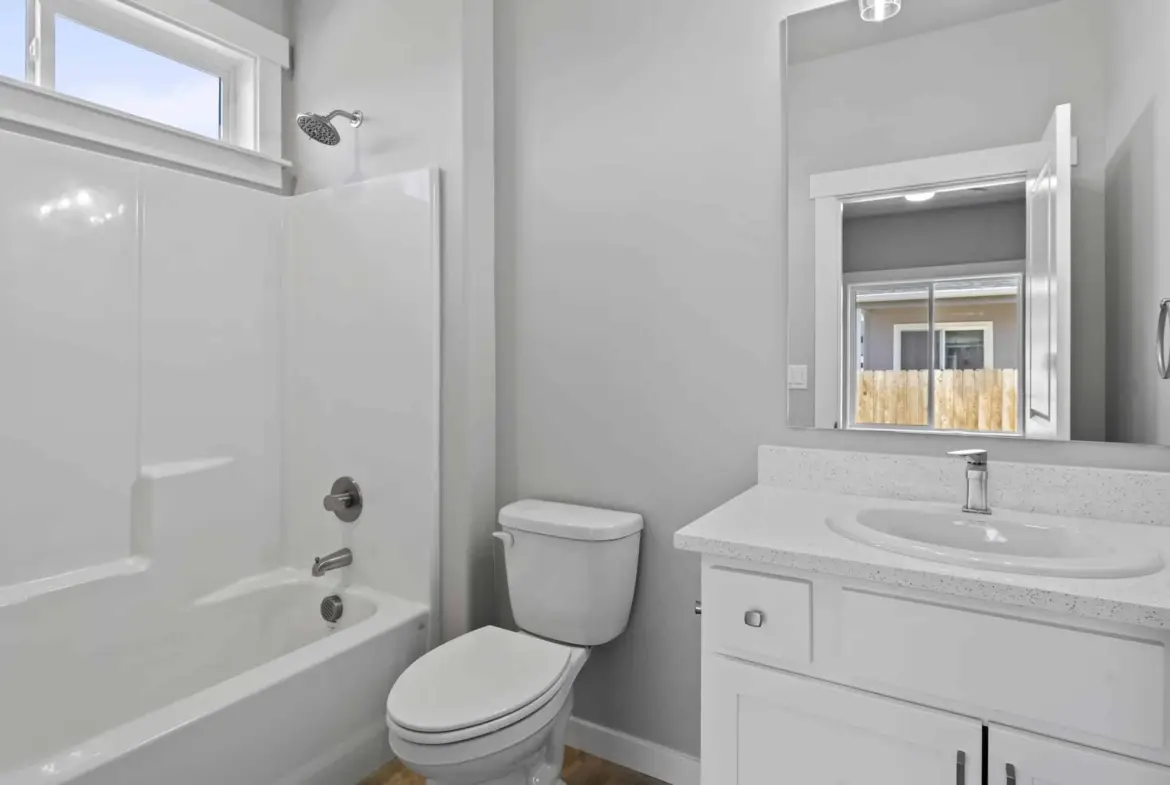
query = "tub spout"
{"x": 333, "y": 561}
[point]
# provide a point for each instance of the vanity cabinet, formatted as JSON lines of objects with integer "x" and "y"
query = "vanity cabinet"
{"x": 813, "y": 679}
{"x": 1016, "y": 758}
{"x": 762, "y": 726}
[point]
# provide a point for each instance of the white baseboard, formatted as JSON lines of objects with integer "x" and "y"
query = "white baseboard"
{"x": 646, "y": 757}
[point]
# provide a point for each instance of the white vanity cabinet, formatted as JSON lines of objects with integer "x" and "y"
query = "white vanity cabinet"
{"x": 1016, "y": 758}
{"x": 819, "y": 680}
{"x": 763, "y": 726}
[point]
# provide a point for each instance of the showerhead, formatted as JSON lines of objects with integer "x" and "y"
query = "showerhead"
{"x": 320, "y": 129}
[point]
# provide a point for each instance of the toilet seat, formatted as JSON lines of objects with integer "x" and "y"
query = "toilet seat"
{"x": 478, "y": 684}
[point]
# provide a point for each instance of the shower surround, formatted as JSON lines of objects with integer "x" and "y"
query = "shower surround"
{"x": 190, "y": 364}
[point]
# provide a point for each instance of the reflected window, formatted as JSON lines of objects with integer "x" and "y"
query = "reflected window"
{"x": 939, "y": 354}
{"x": 961, "y": 346}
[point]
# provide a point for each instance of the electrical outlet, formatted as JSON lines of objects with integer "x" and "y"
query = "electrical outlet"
{"x": 798, "y": 377}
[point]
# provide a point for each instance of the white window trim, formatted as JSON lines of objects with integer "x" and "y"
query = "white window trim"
{"x": 943, "y": 328}
{"x": 247, "y": 57}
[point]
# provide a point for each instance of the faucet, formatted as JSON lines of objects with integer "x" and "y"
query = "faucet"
{"x": 977, "y": 500}
{"x": 333, "y": 561}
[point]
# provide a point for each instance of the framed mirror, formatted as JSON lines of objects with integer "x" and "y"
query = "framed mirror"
{"x": 978, "y": 212}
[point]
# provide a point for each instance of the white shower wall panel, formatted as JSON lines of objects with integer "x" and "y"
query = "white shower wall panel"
{"x": 211, "y": 278}
{"x": 362, "y": 377}
{"x": 139, "y": 325}
{"x": 68, "y": 357}
{"x": 188, "y": 365}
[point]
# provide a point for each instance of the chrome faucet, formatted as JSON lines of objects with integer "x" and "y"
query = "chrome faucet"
{"x": 333, "y": 561}
{"x": 977, "y": 500}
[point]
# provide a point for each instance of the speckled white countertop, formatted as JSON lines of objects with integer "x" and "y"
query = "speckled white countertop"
{"x": 787, "y": 528}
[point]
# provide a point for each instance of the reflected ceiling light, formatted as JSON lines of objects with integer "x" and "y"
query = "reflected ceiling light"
{"x": 879, "y": 10}
{"x": 83, "y": 198}
{"x": 46, "y": 209}
{"x": 921, "y": 196}
{"x": 64, "y": 204}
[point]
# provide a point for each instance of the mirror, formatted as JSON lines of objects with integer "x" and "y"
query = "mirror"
{"x": 978, "y": 211}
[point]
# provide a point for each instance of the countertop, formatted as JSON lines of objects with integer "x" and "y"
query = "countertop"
{"x": 787, "y": 528}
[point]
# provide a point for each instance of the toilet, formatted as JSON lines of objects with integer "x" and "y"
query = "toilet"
{"x": 492, "y": 707}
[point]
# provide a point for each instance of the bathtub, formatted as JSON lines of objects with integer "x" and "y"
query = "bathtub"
{"x": 248, "y": 685}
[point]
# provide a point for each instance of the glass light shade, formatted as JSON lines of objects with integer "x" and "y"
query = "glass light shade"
{"x": 879, "y": 10}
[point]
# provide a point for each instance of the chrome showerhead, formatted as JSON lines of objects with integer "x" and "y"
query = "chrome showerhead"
{"x": 320, "y": 129}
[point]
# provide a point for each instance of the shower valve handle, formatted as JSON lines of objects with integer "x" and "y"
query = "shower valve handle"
{"x": 344, "y": 499}
{"x": 335, "y": 502}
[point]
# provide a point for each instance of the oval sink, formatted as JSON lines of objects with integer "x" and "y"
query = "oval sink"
{"x": 996, "y": 542}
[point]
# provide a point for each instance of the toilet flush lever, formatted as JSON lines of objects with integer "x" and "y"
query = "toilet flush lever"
{"x": 505, "y": 537}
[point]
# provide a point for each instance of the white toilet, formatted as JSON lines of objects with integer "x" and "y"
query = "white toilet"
{"x": 491, "y": 707}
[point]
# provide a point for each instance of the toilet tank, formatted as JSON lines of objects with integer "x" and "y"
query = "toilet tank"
{"x": 571, "y": 569}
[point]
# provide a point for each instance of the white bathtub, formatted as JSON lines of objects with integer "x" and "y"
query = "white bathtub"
{"x": 106, "y": 684}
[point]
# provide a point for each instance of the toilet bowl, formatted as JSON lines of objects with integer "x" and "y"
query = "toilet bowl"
{"x": 492, "y": 707}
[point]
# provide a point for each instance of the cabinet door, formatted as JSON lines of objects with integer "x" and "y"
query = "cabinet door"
{"x": 1016, "y": 758}
{"x": 766, "y": 727}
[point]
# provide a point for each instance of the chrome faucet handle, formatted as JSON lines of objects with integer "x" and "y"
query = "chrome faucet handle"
{"x": 974, "y": 457}
{"x": 977, "y": 497}
{"x": 338, "y": 501}
{"x": 344, "y": 500}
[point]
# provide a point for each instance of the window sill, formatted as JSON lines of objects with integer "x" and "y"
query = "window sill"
{"x": 25, "y": 107}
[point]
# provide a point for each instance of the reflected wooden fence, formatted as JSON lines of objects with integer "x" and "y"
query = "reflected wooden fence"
{"x": 964, "y": 400}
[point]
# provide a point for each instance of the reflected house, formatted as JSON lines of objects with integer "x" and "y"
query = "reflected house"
{"x": 975, "y": 351}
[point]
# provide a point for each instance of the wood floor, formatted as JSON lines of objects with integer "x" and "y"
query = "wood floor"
{"x": 580, "y": 769}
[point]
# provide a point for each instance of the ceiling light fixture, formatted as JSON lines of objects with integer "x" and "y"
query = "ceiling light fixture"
{"x": 879, "y": 10}
{"x": 921, "y": 196}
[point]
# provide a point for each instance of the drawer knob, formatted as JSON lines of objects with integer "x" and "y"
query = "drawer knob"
{"x": 698, "y": 607}
{"x": 754, "y": 618}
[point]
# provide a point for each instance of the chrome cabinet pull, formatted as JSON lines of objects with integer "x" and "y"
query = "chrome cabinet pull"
{"x": 754, "y": 618}
{"x": 1011, "y": 774}
{"x": 961, "y": 768}
{"x": 698, "y": 607}
{"x": 1163, "y": 315}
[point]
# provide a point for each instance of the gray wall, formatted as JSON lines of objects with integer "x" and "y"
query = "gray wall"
{"x": 928, "y": 238}
{"x": 1138, "y": 241}
{"x": 272, "y": 14}
{"x": 421, "y": 72}
{"x": 989, "y": 83}
{"x": 638, "y": 288}
{"x": 642, "y": 300}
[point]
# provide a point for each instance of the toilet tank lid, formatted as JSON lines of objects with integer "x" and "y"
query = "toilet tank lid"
{"x": 569, "y": 521}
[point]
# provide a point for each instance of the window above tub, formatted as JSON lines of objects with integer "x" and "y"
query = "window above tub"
{"x": 183, "y": 81}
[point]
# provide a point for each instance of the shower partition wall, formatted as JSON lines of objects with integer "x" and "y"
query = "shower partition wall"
{"x": 189, "y": 365}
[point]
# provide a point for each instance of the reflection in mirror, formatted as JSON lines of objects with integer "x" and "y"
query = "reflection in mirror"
{"x": 936, "y": 354}
{"x": 973, "y": 197}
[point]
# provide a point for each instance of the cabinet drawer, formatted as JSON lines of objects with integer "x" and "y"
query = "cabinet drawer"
{"x": 1096, "y": 683}
{"x": 757, "y": 617}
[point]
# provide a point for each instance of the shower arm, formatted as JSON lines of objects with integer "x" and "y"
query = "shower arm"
{"x": 355, "y": 119}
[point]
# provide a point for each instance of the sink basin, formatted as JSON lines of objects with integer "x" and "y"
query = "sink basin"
{"x": 996, "y": 542}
